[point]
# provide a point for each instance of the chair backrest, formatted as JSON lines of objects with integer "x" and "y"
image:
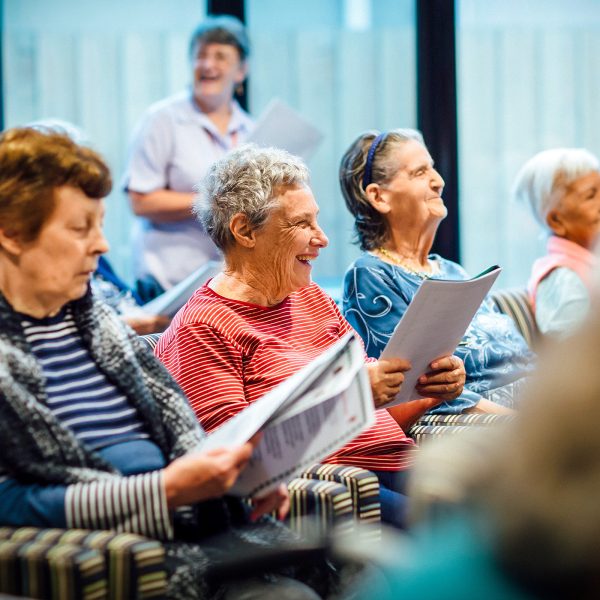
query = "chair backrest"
{"x": 515, "y": 303}
{"x": 151, "y": 339}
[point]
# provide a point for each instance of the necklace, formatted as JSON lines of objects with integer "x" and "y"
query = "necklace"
{"x": 399, "y": 262}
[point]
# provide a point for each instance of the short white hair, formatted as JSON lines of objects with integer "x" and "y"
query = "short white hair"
{"x": 543, "y": 174}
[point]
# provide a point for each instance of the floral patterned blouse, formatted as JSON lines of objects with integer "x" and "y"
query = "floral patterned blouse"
{"x": 376, "y": 294}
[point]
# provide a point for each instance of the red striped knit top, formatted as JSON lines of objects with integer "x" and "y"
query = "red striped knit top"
{"x": 226, "y": 353}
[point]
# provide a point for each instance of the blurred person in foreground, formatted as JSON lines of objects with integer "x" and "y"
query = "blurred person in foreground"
{"x": 262, "y": 318}
{"x": 394, "y": 192}
{"x": 91, "y": 425}
{"x": 174, "y": 144}
{"x": 561, "y": 187}
{"x": 513, "y": 513}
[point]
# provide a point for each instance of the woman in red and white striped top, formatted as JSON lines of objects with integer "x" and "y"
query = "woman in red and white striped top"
{"x": 262, "y": 319}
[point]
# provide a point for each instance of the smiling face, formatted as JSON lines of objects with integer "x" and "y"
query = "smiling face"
{"x": 415, "y": 192}
{"x": 411, "y": 201}
{"x": 287, "y": 243}
{"x": 56, "y": 267}
{"x": 576, "y": 216}
{"x": 217, "y": 68}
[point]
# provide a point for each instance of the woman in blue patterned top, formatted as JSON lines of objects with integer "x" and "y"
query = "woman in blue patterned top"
{"x": 394, "y": 192}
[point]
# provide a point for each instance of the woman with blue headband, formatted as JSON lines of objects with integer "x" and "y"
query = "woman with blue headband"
{"x": 393, "y": 191}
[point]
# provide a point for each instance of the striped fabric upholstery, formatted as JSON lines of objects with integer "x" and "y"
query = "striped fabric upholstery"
{"x": 422, "y": 433}
{"x": 326, "y": 504}
{"x": 515, "y": 304}
{"x": 362, "y": 484}
{"x": 41, "y": 570}
{"x": 57, "y": 564}
{"x": 461, "y": 420}
{"x": 151, "y": 339}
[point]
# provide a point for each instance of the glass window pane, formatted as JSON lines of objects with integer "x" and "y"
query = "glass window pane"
{"x": 347, "y": 66}
{"x": 98, "y": 65}
{"x": 528, "y": 79}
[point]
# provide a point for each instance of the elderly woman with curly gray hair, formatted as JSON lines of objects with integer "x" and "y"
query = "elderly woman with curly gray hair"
{"x": 262, "y": 318}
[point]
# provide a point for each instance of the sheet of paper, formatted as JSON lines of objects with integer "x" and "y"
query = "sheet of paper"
{"x": 281, "y": 126}
{"x": 173, "y": 299}
{"x": 304, "y": 419}
{"x": 434, "y": 324}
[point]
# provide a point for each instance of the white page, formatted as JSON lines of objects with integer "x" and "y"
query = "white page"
{"x": 318, "y": 420}
{"x": 282, "y": 127}
{"x": 434, "y": 324}
{"x": 240, "y": 428}
{"x": 173, "y": 299}
{"x": 291, "y": 445}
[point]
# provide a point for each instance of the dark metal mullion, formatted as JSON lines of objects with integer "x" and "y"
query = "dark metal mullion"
{"x": 436, "y": 108}
{"x": 237, "y": 9}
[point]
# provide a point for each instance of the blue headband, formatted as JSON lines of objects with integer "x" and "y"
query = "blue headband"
{"x": 369, "y": 166}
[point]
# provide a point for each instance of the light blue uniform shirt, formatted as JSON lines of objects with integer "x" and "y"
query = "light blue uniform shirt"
{"x": 174, "y": 145}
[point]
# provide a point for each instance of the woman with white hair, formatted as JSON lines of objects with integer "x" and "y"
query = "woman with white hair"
{"x": 262, "y": 318}
{"x": 562, "y": 188}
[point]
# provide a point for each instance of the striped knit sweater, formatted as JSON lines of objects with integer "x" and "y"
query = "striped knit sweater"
{"x": 36, "y": 448}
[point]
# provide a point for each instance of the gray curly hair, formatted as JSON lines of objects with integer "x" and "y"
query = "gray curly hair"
{"x": 248, "y": 181}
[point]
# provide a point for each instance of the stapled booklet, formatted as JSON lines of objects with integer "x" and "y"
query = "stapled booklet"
{"x": 304, "y": 419}
{"x": 434, "y": 323}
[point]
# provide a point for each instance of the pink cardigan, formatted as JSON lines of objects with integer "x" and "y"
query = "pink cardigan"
{"x": 561, "y": 253}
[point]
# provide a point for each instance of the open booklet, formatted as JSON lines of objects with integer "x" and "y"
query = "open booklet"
{"x": 281, "y": 126}
{"x": 306, "y": 418}
{"x": 169, "y": 302}
{"x": 434, "y": 323}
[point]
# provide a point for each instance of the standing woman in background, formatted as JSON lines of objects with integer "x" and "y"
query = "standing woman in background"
{"x": 175, "y": 143}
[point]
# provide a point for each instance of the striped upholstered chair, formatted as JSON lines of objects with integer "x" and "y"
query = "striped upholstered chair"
{"x": 78, "y": 564}
{"x": 515, "y": 304}
{"x": 328, "y": 494}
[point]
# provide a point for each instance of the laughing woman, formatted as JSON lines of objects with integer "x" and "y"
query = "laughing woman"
{"x": 175, "y": 143}
{"x": 262, "y": 319}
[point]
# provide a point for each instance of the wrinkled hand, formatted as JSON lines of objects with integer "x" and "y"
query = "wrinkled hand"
{"x": 445, "y": 381}
{"x": 278, "y": 499}
{"x": 145, "y": 324}
{"x": 386, "y": 376}
{"x": 201, "y": 476}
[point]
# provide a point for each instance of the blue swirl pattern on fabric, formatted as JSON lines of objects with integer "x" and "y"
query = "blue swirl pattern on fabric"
{"x": 376, "y": 295}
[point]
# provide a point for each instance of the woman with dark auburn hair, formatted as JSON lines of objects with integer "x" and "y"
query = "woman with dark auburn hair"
{"x": 94, "y": 433}
{"x": 393, "y": 191}
{"x": 175, "y": 143}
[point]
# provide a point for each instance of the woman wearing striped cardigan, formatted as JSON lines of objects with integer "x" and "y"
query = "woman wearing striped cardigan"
{"x": 94, "y": 433}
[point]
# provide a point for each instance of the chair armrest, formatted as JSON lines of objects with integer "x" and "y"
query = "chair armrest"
{"x": 363, "y": 486}
{"x": 80, "y": 563}
{"x": 317, "y": 506}
{"x": 463, "y": 420}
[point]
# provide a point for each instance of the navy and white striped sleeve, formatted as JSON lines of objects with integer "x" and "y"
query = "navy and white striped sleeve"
{"x": 134, "y": 504}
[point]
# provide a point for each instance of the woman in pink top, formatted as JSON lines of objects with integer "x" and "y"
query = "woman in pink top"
{"x": 562, "y": 188}
{"x": 262, "y": 319}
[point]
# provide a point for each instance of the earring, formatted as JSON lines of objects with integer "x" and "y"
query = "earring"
{"x": 239, "y": 89}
